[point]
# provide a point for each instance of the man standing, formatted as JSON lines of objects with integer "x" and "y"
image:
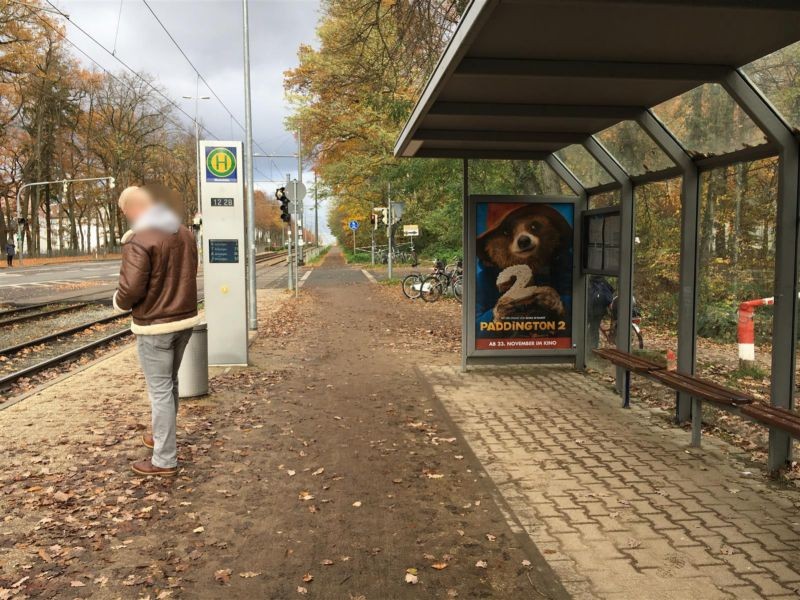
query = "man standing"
{"x": 158, "y": 283}
{"x": 11, "y": 249}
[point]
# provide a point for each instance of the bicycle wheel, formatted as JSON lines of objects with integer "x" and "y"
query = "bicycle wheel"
{"x": 412, "y": 286}
{"x": 458, "y": 287}
{"x": 637, "y": 331}
{"x": 431, "y": 289}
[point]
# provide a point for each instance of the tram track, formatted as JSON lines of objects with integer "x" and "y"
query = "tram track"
{"x": 10, "y": 380}
{"x": 43, "y": 314}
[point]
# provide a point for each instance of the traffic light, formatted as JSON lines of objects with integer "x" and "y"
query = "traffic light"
{"x": 281, "y": 196}
{"x": 373, "y": 220}
{"x": 383, "y": 217}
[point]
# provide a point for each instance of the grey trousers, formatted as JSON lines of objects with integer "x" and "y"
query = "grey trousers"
{"x": 160, "y": 356}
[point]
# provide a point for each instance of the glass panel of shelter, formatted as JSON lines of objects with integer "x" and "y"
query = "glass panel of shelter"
{"x": 708, "y": 122}
{"x": 601, "y": 290}
{"x": 634, "y": 149}
{"x": 738, "y": 217}
{"x": 777, "y": 75}
{"x": 656, "y": 279}
{"x": 515, "y": 177}
{"x": 584, "y": 166}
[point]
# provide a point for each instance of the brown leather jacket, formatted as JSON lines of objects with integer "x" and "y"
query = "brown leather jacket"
{"x": 158, "y": 280}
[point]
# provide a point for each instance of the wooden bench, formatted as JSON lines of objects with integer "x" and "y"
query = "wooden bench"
{"x": 700, "y": 389}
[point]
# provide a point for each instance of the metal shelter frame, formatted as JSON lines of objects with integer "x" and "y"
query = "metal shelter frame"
{"x": 454, "y": 136}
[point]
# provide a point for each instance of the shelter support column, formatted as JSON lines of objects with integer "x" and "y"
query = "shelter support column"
{"x": 687, "y": 301}
{"x": 579, "y": 300}
{"x": 464, "y": 245}
{"x": 625, "y": 283}
{"x": 786, "y": 252}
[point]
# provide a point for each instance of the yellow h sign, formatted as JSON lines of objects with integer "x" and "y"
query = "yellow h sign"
{"x": 221, "y": 164}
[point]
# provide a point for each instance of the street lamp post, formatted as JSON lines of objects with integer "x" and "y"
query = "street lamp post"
{"x": 63, "y": 182}
{"x": 252, "y": 305}
{"x": 197, "y": 97}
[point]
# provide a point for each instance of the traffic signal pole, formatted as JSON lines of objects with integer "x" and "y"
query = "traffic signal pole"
{"x": 289, "y": 258}
{"x": 297, "y": 249}
{"x": 64, "y": 182}
{"x": 296, "y": 239}
{"x": 389, "y": 228}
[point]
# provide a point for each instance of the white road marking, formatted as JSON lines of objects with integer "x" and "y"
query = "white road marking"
{"x": 369, "y": 276}
{"x": 304, "y": 277}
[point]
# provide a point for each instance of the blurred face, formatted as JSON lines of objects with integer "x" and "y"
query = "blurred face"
{"x": 137, "y": 205}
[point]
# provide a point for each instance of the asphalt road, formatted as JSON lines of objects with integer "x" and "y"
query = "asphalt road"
{"x": 334, "y": 272}
{"x": 41, "y": 283}
{"x": 89, "y": 281}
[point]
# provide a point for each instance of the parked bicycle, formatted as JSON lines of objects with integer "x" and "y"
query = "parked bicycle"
{"x": 608, "y": 327}
{"x": 399, "y": 256}
{"x": 445, "y": 278}
{"x": 412, "y": 283}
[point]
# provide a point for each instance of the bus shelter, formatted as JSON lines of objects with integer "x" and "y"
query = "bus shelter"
{"x": 547, "y": 80}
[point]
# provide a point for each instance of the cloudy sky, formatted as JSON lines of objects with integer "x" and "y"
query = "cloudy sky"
{"x": 210, "y": 33}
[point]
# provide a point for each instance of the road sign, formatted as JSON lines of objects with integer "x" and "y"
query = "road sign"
{"x": 410, "y": 230}
{"x": 220, "y": 164}
{"x": 353, "y": 225}
{"x": 301, "y": 191}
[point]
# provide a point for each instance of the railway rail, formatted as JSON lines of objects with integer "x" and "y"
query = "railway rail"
{"x": 273, "y": 258}
{"x": 8, "y": 381}
{"x": 42, "y": 314}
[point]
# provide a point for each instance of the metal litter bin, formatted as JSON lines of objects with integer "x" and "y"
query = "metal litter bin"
{"x": 193, "y": 374}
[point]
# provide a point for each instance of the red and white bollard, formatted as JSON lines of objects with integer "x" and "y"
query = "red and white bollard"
{"x": 746, "y": 329}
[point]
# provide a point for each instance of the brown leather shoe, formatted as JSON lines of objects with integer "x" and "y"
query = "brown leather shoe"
{"x": 147, "y": 440}
{"x": 145, "y": 467}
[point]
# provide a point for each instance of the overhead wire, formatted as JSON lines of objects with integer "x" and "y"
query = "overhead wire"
{"x": 116, "y": 33}
{"x": 204, "y": 80}
{"x": 168, "y": 117}
{"x": 138, "y": 75}
{"x": 128, "y": 67}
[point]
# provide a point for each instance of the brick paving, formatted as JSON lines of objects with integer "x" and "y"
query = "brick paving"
{"x": 615, "y": 500}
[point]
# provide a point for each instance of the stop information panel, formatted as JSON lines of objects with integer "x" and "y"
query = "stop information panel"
{"x": 523, "y": 265}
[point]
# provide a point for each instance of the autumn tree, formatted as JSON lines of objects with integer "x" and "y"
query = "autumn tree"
{"x": 353, "y": 94}
{"x": 61, "y": 121}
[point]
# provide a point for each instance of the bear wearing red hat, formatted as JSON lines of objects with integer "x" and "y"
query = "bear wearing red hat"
{"x": 526, "y": 247}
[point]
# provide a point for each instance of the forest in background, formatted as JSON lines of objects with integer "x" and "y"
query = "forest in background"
{"x": 60, "y": 119}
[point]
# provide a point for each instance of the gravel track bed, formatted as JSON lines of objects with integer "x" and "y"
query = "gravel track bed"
{"x": 11, "y": 335}
{"x": 32, "y": 356}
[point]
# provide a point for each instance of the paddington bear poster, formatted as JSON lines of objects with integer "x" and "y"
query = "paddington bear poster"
{"x": 523, "y": 282}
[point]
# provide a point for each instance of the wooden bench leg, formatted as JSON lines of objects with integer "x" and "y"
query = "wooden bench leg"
{"x": 697, "y": 422}
{"x": 626, "y": 390}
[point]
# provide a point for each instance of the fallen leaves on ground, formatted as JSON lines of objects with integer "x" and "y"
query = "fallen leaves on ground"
{"x": 223, "y": 576}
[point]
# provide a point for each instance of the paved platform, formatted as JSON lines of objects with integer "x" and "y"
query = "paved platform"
{"x": 616, "y": 501}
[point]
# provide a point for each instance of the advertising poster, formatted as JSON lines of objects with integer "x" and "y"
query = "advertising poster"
{"x": 524, "y": 271}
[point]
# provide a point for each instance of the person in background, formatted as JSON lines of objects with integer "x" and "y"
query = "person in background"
{"x": 158, "y": 284}
{"x": 11, "y": 250}
{"x": 601, "y": 295}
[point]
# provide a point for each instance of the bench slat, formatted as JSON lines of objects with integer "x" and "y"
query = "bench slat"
{"x": 705, "y": 389}
{"x": 780, "y": 418}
